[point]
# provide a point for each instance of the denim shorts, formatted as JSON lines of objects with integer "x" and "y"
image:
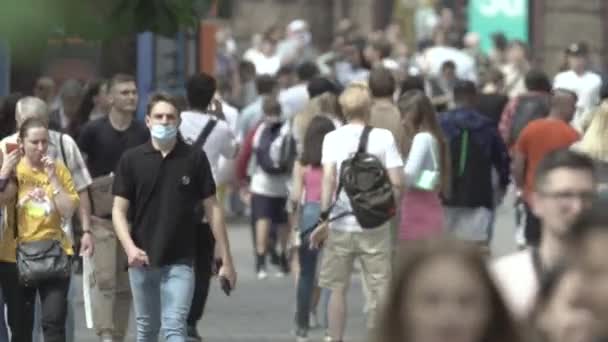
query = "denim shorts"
{"x": 309, "y": 217}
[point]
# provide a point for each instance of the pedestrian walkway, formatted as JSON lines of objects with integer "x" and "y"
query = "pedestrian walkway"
{"x": 257, "y": 311}
{"x": 263, "y": 311}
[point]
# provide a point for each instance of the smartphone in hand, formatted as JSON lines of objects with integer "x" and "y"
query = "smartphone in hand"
{"x": 225, "y": 285}
{"x": 10, "y": 147}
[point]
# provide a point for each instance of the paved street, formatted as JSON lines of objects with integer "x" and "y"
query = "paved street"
{"x": 260, "y": 311}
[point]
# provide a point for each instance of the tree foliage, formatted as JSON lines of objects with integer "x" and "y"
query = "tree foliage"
{"x": 29, "y": 24}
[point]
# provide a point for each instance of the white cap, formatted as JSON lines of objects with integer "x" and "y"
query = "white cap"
{"x": 297, "y": 25}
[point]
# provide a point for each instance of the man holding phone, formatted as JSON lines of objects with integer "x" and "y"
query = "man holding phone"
{"x": 206, "y": 116}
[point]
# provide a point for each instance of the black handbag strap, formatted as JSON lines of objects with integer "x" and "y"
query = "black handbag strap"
{"x": 202, "y": 138}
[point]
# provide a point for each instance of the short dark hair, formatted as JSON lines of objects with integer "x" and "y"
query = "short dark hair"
{"x": 265, "y": 84}
{"x": 31, "y": 122}
{"x": 381, "y": 82}
{"x": 448, "y": 65}
{"x": 286, "y": 70}
{"x": 562, "y": 158}
{"x": 563, "y": 91}
{"x": 162, "y": 97}
{"x": 200, "y": 89}
{"x": 412, "y": 83}
{"x": 500, "y": 41}
{"x": 307, "y": 70}
{"x": 593, "y": 219}
{"x": 464, "y": 91}
{"x": 120, "y": 78}
{"x": 383, "y": 46}
{"x": 537, "y": 80}
{"x": 246, "y": 67}
{"x": 271, "y": 106}
{"x": 319, "y": 85}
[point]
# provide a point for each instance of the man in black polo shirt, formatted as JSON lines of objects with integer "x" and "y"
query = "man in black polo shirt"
{"x": 165, "y": 181}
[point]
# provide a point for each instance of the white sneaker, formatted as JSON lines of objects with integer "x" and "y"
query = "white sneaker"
{"x": 262, "y": 275}
{"x": 106, "y": 338}
{"x": 313, "y": 321}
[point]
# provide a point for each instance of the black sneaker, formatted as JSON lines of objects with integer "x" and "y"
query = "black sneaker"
{"x": 275, "y": 258}
{"x": 193, "y": 335}
{"x": 284, "y": 264}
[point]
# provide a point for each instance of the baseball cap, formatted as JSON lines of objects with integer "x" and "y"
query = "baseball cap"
{"x": 578, "y": 49}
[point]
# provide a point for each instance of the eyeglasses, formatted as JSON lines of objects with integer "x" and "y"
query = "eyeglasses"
{"x": 585, "y": 196}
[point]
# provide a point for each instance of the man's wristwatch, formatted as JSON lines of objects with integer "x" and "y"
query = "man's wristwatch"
{"x": 324, "y": 215}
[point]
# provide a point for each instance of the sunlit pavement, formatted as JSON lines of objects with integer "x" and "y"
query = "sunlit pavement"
{"x": 259, "y": 311}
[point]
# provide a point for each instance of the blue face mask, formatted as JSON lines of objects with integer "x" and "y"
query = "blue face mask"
{"x": 162, "y": 133}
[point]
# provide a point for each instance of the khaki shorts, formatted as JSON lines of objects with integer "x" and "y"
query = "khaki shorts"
{"x": 372, "y": 247}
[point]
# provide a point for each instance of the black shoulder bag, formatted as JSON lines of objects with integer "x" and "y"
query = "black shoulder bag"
{"x": 40, "y": 261}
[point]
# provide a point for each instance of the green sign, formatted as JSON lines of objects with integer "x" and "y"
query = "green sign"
{"x": 507, "y": 16}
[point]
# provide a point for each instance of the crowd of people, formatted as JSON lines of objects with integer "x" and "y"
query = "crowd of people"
{"x": 367, "y": 159}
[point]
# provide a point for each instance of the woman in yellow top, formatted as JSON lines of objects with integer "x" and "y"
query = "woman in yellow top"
{"x": 45, "y": 197}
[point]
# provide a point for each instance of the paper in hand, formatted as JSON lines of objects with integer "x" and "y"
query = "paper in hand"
{"x": 88, "y": 282}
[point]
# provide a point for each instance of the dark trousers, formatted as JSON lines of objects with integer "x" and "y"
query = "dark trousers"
{"x": 13, "y": 297}
{"x": 54, "y": 299}
{"x": 532, "y": 231}
{"x": 203, "y": 271}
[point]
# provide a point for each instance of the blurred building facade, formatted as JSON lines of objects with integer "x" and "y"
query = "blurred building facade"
{"x": 553, "y": 23}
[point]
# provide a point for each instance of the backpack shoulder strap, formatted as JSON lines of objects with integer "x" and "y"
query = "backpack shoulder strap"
{"x": 65, "y": 160}
{"x": 464, "y": 151}
{"x": 364, "y": 139}
{"x": 202, "y": 138}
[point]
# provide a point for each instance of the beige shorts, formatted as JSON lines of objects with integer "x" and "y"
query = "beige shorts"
{"x": 373, "y": 247}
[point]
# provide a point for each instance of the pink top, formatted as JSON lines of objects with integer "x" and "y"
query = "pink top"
{"x": 312, "y": 184}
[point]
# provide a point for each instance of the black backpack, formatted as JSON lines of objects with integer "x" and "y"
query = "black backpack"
{"x": 369, "y": 189}
{"x": 528, "y": 108}
{"x": 276, "y": 150}
{"x": 471, "y": 185}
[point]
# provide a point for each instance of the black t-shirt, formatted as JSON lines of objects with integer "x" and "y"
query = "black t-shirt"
{"x": 492, "y": 105}
{"x": 164, "y": 194}
{"x": 104, "y": 145}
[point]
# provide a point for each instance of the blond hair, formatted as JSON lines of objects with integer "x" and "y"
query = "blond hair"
{"x": 356, "y": 101}
{"x": 594, "y": 142}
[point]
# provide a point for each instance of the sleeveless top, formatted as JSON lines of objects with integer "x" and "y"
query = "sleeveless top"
{"x": 312, "y": 184}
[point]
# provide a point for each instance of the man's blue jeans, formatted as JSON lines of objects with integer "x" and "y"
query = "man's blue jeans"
{"x": 162, "y": 298}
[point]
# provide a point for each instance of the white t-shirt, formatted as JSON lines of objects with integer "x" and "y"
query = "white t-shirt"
{"x": 221, "y": 140}
{"x": 264, "y": 64}
{"x": 341, "y": 144}
{"x": 423, "y": 155}
{"x": 293, "y": 100}
{"x": 226, "y": 166}
{"x": 517, "y": 280}
{"x": 263, "y": 183}
{"x": 586, "y": 87}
